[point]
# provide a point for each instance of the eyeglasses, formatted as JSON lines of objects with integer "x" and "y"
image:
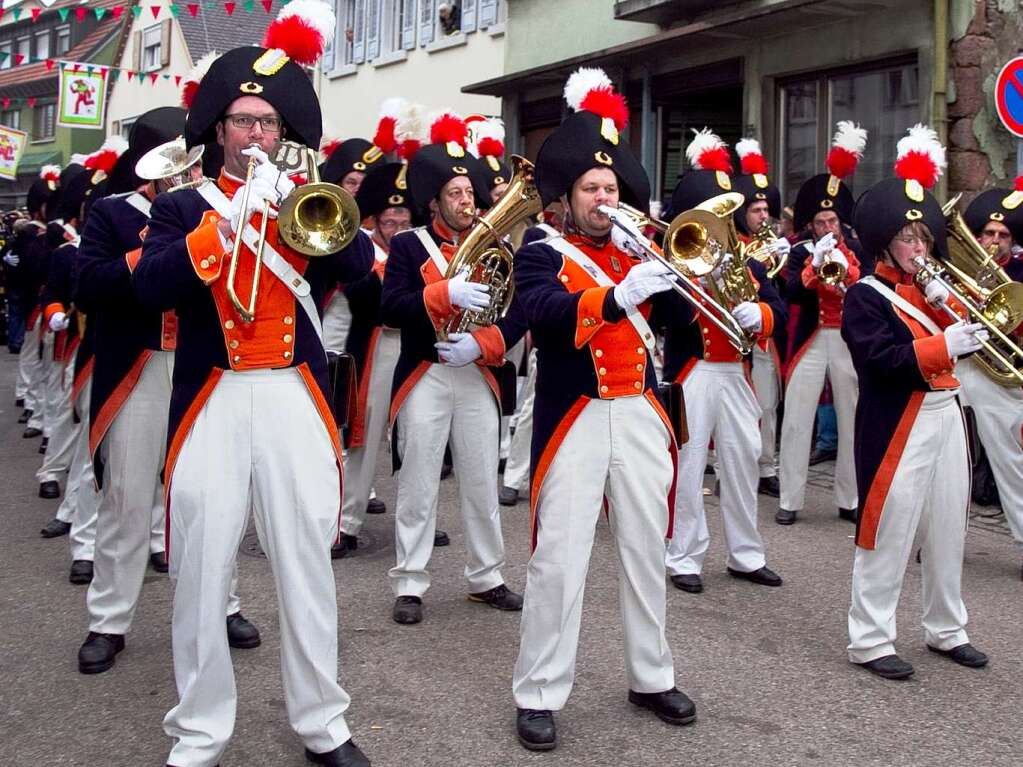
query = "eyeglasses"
{"x": 269, "y": 124}
{"x": 912, "y": 239}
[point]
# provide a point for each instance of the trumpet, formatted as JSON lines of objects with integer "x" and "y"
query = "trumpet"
{"x": 695, "y": 243}
{"x": 1002, "y": 310}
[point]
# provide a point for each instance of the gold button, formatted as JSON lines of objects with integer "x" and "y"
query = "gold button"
{"x": 639, "y": 350}
{"x": 589, "y": 322}
{"x": 706, "y": 355}
{"x": 706, "y": 330}
{"x": 287, "y": 355}
{"x": 287, "y": 338}
{"x": 288, "y": 320}
{"x": 603, "y": 390}
{"x": 234, "y": 343}
{"x": 237, "y": 358}
{"x": 602, "y": 371}
{"x": 229, "y": 324}
{"x": 599, "y": 352}
{"x": 205, "y": 263}
{"x": 564, "y": 278}
{"x": 738, "y": 356}
{"x": 213, "y": 259}
{"x": 639, "y": 367}
{"x": 638, "y": 384}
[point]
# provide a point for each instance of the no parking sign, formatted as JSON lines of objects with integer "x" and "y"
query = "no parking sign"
{"x": 1009, "y": 96}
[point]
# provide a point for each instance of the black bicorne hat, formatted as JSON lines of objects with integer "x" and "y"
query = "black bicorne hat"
{"x": 710, "y": 174}
{"x": 828, "y": 191}
{"x": 155, "y": 127}
{"x": 445, "y": 158}
{"x": 385, "y": 186}
{"x": 489, "y": 148}
{"x": 753, "y": 183}
{"x": 355, "y": 154}
{"x": 75, "y": 181}
{"x": 1002, "y": 205}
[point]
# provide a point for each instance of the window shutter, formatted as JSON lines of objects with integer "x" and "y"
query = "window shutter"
{"x": 408, "y": 24}
{"x": 427, "y": 21}
{"x": 136, "y": 44}
{"x": 469, "y": 15}
{"x": 165, "y": 42}
{"x": 372, "y": 29}
{"x": 488, "y": 13}
{"x": 359, "y": 32}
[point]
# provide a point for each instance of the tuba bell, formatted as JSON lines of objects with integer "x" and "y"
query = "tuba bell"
{"x": 485, "y": 256}
{"x": 170, "y": 165}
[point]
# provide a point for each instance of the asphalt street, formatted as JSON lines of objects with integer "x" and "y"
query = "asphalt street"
{"x": 766, "y": 667}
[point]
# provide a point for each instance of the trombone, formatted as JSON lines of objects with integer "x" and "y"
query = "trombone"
{"x": 695, "y": 243}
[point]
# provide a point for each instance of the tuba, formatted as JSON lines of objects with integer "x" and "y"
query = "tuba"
{"x": 170, "y": 165}
{"x": 485, "y": 255}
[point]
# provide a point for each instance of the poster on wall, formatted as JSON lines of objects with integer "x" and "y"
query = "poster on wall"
{"x": 12, "y": 145}
{"x": 83, "y": 95}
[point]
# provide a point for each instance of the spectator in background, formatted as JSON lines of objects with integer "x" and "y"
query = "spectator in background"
{"x": 450, "y": 15}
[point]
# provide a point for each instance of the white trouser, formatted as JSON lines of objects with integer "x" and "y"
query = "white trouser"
{"x": 81, "y": 498}
{"x": 999, "y": 414}
{"x": 930, "y": 489}
{"x": 827, "y": 355}
{"x": 39, "y": 371}
{"x": 513, "y": 355}
{"x": 63, "y": 429}
{"x": 157, "y": 523}
{"x": 516, "y": 469}
{"x": 337, "y": 320}
{"x": 361, "y": 462}
{"x": 282, "y": 466}
{"x": 447, "y": 406}
{"x": 133, "y": 452}
{"x": 619, "y": 450}
{"x": 30, "y": 369}
{"x": 54, "y": 392}
{"x": 765, "y": 384}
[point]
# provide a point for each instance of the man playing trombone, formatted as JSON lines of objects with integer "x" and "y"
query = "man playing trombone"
{"x": 250, "y": 424}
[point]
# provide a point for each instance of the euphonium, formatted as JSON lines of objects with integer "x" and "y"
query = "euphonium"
{"x": 486, "y": 257}
{"x": 170, "y": 165}
{"x": 760, "y": 248}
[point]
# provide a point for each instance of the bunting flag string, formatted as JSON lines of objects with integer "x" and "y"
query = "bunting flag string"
{"x": 113, "y": 73}
{"x": 82, "y": 12}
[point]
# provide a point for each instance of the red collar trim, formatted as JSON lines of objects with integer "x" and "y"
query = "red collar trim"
{"x": 443, "y": 231}
{"x": 892, "y": 274}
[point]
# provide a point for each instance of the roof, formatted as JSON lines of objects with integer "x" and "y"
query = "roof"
{"x": 212, "y": 29}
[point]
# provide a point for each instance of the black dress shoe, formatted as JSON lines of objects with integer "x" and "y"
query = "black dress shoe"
{"x": 97, "y": 653}
{"x": 345, "y": 755}
{"x": 25, "y": 415}
{"x": 690, "y": 582}
{"x": 785, "y": 516}
{"x": 536, "y": 729}
{"x": 769, "y": 486}
{"x": 19, "y": 402}
{"x": 500, "y": 598}
{"x": 43, "y": 445}
{"x": 440, "y": 538}
{"x": 820, "y": 456}
{"x": 763, "y": 577}
{"x": 32, "y": 432}
{"x": 407, "y": 610}
{"x": 849, "y": 515}
{"x": 81, "y": 571}
{"x": 376, "y": 506}
{"x": 671, "y": 706}
{"x": 344, "y": 547}
{"x": 49, "y": 489}
{"x": 507, "y": 496}
{"x": 158, "y": 561}
{"x": 964, "y": 654}
{"x": 55, "y": 529}
{"x": 241, "y": 634}
{"x": 888, "y": 667}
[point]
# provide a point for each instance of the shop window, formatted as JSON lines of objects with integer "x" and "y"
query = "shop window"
{"x": 11, "y": 119}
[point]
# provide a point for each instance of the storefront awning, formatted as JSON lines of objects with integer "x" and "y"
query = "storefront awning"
{"x": 31, "y": 162}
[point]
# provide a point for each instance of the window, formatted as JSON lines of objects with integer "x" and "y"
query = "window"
{"x": 885, "y": 100}
{"x": 43, "y": 121}
{"x": 6, "y": 47}
{"x": 151, "y": 48}
{"x": 63, "y": 40}
{"x": 11, "y": 118}
{"x": 24, "y": 49}
{"x": 43, "y": 44}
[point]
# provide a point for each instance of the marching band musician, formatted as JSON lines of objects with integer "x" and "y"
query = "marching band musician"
{"x": 912, "y": 458}
{"x": 130, "y": 397}
{"x": 721, "y": 404}
{"x": 761, "y": 208}
{"x": 383, "y": 199}
{"x": 599, "y": 432}
{"x": 995, "y": 217}
{"x": 444, "y": 390}
{"x": 824, "y": 204}
{"x": 249, "y": 391}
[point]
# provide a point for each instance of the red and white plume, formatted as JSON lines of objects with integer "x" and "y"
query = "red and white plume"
{"x": 590, "y": 90}
{"x": 708, "y": 152}
{"x": 447, "y": 127}
{"x": 384, "y": 139}
{"x": 195, "y": 75}
{"x": 50, "y": 174}
{"x": 751, "y": 159}
{"x": 1017, "y": 185}
{"x": 919, "y": 156}
{"x": 409, "y": 130}
{"x": 329, "y": 146}
{"x": 104, "y": 158}
{"x": 490, "y": 138}
{"x": 846, "y": 149}
{"x": 301, "y": 30}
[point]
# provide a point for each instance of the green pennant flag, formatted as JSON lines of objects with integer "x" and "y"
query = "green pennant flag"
{"x": 4, "y": 55}
{"x": 100, "y": 12}
{"x": 210, "y": 6}
{"x": 88, "y": 69}
{"x": 136, "y": 10}
{"x": 114, "y": 74}
{"x": 174, "y": 10}
{"x": 165, "y": 77}
{"x": 63, "y": 13}
{"x": 248, "y": 5}
{"x": 17, "y": 13}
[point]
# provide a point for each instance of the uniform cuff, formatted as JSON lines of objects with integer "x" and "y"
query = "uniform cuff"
{"x": 766, "y": 320}
{"x": 491, "y": 342}
{"x": 51, "y": 309}
{"x": 205, "y": 248}
{"x": 932, "y": 357}
{"x": 809, "y": 276}
{"x": 438, "y": 303}
{"x": 589, "y": 315}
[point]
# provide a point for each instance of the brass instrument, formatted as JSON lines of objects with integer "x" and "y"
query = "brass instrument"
{"x": 170, "y": 165}
{"x": 485, "y": 256}
{"x": 761, "y": 249}
{"x": 247, "y": 312}
{"x": 695, "y": 244}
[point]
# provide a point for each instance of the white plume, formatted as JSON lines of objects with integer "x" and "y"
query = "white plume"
{"x": 410, "y": 123}
{"x": 202, "y": 66}
{"x": 392, "y": 107}
{"x": 747, "y": 146}
{"x": 923, "y": 139}
{"x": 703, "y": 141}
{"x": 492, "y": 128}
{"x": 317, "y": 13}
{"x": 581, "y": 82}
{"x": 850, "y": 137}
{"x": 77, "y": 158}
{"x": 115, "y": 143}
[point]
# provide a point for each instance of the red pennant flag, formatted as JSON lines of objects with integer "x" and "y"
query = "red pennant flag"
{"x": 49, "y": 65}
{"x": 80, "y": 13}
{"x": 6, "y": 102}
{"x": 267, "y": 4}
{"x": 18, "y": 58}
{"x": 117, "y": 11}
{"x": 193, "y": 9}
{"x": 35, "y": 14}
{"x": 155, "y": 9}
{"x": 31, "y": 102}
{"x": 229, "y": 7}
{"x": 153, "y": 76}
{"x": 177, "y": 79}
{"x": 130, "y": 75}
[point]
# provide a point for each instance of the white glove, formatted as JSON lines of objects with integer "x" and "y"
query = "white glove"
{"x": 59, "y": 322}
{"x": 12, "y": 259}
{"x": 749, "y": 316}
{"x": 821, "y": 248}
{"x": 260, "y": 191}
{"x": 464, "y": 350}
{"x": 468, "y": 295}
{"x": 936, "y": 293}
{"x": 839, "y": 258}
{"x": 642, "y": 281}
{"x": 962, "y": 338}
{"x": 270, "y": 173}
{"x": 625, "y": 233}
{"x": 780, "y": 248}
